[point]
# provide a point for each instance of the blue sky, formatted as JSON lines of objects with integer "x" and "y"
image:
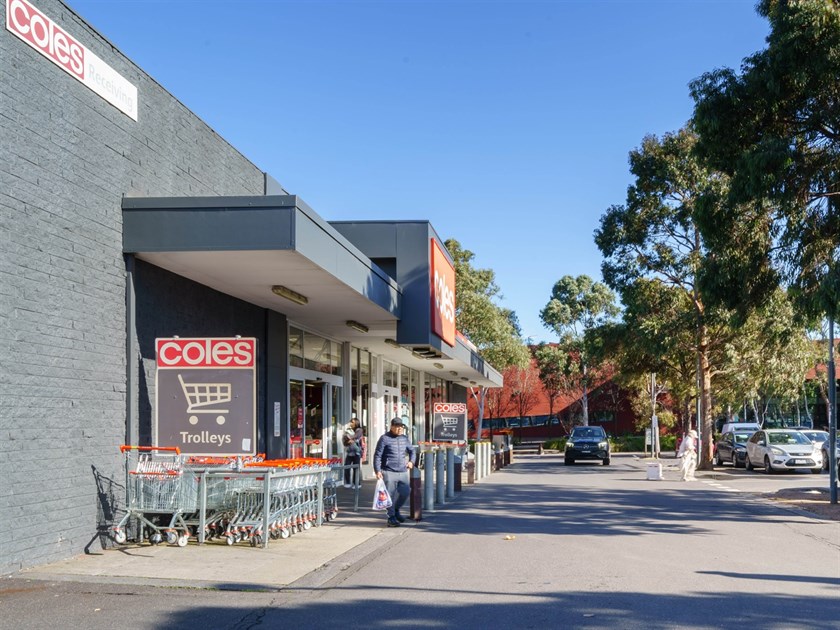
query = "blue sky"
{"x": 506, "y": 124}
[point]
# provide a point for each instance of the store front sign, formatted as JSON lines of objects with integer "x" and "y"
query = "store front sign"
{"x": 449, "y": 422}
{"x": 205, "y": 395}
{"x": 443, "y": 295}
{"x": 53, "y": 42}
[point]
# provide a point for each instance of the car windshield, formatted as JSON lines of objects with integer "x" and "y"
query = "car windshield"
{"x": 741, "y": 438}
{"x": 788, "y": 437}
{"x": 587, "y": 432}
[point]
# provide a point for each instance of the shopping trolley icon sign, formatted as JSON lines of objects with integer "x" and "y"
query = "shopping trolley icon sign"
{"x": 205, "y": 395}
{"x": 200, "y": 396}
{"x": 449, "y": 422}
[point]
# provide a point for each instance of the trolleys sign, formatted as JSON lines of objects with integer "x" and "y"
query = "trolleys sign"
{"x": 205, "y": 395}
{"x": 450, "y": 422}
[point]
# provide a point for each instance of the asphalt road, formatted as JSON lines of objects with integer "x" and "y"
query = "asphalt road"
{"x": 536, "y": 545}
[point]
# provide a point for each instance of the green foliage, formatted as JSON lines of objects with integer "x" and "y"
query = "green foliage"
{"x": 493, "y": 329}
{"x": 774, "y": 129}
{"x": 578, "y": 307}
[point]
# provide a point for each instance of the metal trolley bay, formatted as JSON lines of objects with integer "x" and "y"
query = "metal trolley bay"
{"x": 173, "y": 498}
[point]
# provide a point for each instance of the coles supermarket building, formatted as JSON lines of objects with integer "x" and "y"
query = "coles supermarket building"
{"x": 156, "y": 287}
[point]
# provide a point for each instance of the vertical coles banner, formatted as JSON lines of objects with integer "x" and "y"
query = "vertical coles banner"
{"x": 443, "y": 295}
{"x": 450, "y": 422}
{"x": 205, "y": 395}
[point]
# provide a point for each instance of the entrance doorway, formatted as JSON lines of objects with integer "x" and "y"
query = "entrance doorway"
{"x": 314, "y": 407}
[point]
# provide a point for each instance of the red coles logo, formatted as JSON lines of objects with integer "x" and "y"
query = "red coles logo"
{"x": 46, "y": 36}
{"x": 206, "y": 353}
{"x": 443, "y": 295}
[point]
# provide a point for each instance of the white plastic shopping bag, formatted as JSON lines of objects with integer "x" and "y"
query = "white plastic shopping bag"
{"x": 381, "y": 498}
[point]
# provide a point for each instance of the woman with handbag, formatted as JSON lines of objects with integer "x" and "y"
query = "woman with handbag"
{"x": 352, "y": 441}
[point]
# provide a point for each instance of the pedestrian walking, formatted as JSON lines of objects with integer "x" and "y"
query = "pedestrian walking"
{"x": 352, "y": 441}
{"x": 392, "y": 459}
{"x": 688, "y": 455}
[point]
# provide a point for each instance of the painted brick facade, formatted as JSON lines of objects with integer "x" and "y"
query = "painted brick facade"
{"x": 67, "y": 158}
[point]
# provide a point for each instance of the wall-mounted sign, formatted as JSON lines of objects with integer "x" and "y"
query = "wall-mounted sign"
{"x": 48, "y": 38}
{"x": 450, "y": 422}
{"x": 205, "y": 395}
{"x": 443, "y": 294}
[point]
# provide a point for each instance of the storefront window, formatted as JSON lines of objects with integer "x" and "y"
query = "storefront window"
{"x": 390, "y": 374}
{"x": 295, "y": 347}
{"x": 313, "y": 352}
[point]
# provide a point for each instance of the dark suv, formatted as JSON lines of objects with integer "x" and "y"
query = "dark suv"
{"x": 587, "y": 443}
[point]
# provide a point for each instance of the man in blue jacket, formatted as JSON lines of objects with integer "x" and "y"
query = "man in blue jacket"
{"x": 392, "y": 459}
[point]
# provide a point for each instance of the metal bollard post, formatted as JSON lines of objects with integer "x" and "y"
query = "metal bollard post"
{"x": 440, "y": 493}
{"x": 416, "y": 505}
{"x": 488, "y": 464}
{"x": 459, "y": 459}
{"x": 429, "y": 481}
{"x": 450, "y": 472}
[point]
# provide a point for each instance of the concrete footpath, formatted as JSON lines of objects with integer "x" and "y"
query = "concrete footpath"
{"x": 306, "y": 559}
{"x": 312, "y": 556}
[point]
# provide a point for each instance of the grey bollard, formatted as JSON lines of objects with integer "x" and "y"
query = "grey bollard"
{"x": 429, "y": 481}
{"x": 440, "y": 488}
{"x": 416, "y": 504}
{"x": 450, "y": 472}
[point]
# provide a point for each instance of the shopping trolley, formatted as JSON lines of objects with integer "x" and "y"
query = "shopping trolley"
{"x": 158, "y": 493}
{"x": 202, "y": 395}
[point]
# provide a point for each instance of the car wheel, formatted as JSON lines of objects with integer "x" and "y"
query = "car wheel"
{"x": 718, "y": 460}
{"x": 768, "y": 468}
{"x": 825, "y": 461}
{"x": 734, "y": 460}
{"x": 606, "y": 461}
{"x": 747, "y": 463}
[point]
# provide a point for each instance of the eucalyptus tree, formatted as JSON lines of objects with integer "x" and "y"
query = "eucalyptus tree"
{"x": 774, "y": 129}
{"x": 578, "y": 306}
{"x": 493, "y": 330}
{"x": 768, "y": 360}
{"x": 552, "y": 363}
{"x": 655, "y": 236}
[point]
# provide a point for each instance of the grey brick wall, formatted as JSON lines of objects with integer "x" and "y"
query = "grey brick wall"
{"x": 169, "y": 305}
{"x": 66, "y": 159}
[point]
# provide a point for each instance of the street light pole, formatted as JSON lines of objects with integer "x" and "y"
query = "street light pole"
{"x": 832, "y": 415}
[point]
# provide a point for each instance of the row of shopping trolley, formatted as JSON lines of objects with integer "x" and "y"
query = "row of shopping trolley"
{"x": 172, "y": 498}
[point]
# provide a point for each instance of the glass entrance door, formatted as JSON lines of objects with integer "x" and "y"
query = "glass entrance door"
{"x": 314, "y": 425}
{"x": 314, "y": 412}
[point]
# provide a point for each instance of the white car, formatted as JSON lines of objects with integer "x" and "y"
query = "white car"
{"x": 782, "y": 449}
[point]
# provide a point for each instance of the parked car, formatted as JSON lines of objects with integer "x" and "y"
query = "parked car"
{"x": 740, "y": 426}
{"x": 782, "y": 449}
{"x": 817, "y": 437}
{"x": 731, "y": 448}
{"x": 825, "y": 455}
{"x": 587, "y": 443}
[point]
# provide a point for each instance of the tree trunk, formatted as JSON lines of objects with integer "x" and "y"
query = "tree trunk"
{"x": 584, "y": 400}
{"x": 480, "y": 397}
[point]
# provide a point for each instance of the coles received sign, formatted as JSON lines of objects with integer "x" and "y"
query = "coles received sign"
{"x": 450, "y": 422}
{"x": 205, "y": 395}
